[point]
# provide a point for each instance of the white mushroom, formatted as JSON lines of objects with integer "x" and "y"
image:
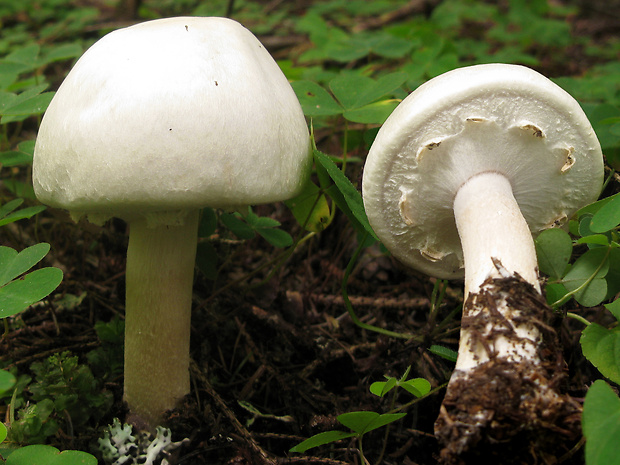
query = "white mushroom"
{"x": 154, "y": 122}
{"x": 460, "y": 177}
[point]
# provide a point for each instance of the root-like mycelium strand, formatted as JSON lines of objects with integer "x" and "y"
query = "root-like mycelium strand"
{"x": 508, "y": 400}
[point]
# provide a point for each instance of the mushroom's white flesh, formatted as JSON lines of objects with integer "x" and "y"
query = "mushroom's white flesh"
{"x": 494, "y": 233}
{"x": 159, "y": 280}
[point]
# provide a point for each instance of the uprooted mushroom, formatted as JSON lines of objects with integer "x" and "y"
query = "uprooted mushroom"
{"x": 461, "y": 177}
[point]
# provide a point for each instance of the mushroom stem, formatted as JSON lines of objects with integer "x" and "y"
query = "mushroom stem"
{"x": 505, "y": 383}
{"x": 493, "y": 233}
{"x": 159, "y": 280}
{"x": 491, "y": 226}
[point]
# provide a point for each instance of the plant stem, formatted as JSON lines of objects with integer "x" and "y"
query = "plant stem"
{"x": 349, "y": 306}
{"x": 160, "y": 271}
{"x": 387, "y": 430}
{"x": 361, "y": 450}
{"x": 579, "y": 318}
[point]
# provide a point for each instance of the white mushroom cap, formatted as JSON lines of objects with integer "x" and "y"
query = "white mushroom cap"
{"x": 171, "y": 114}
{"x": 498, "y": 118}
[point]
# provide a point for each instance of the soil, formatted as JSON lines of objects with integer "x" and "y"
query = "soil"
{"x": 278, "y": 336}
{"x": 508, "y": 409}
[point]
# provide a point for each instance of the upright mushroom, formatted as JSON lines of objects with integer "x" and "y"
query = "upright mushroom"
{"x": 460, "y": 177}
{"x": 154, "y": 122}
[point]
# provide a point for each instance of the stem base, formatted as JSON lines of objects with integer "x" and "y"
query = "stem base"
{"x": 511, "y": 406}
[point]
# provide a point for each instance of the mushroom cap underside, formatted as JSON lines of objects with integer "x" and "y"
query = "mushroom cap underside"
{"x": 498, "y": 118}
{"x": 170, "y": 114}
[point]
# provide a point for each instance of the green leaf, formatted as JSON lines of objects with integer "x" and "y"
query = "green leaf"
{"x": 315, "y": 100}
{"x": 34, "y": 105}
{"x": 112, "y": 332}
{"x": 601, "y": 346}
{"x": 7, "y": 381}
{"x": 374, "y": 113}
{"x": 19, "y": 188}
{"x": 592, "y": 208}
{"x": 62, "y": 52}
{"x": 351, "y": 195}
{"x": 587, "y": 274}
{"x": 9, "y": 207}
{"x": 358, "y": 421}
{"x": 26, "y": 55}
{"x": 383, "y": 420}
{"x": 443, "y": 352}
{"x": 208, "y": 223}
{"x": 555, "y": 292}
{"x": 584, "y": 225}
{"x": 613, "y": 275}
{"x": 350, "y": 88}
{"x": 417, "y": 387}
{"x": 310, "y": 208}
{"x": 7, "y": 77}
{"x": 554, "y": 248}
{"x": 262, "y": 222}
{"x": 250, "y": 217}
{"x": 381, "y": 388}
{"x": 321, "y": 439}
{"x": 48, "y": 455}
{"x": 347, "y": 49}
{"x": 206, "y": 260}
{"x": 13, "y": 68}
{"x": 20, "y": 294}
{"x": 601, "y": 425}
{"x": 27, "y": 147}
{"x": 405, "y": 374}
{"x": 3, "y": 432}
{"x": 614, "y": 308}
{"x": 608, "y": 217}
{"x": 383, "y": 87}
{"x": 595, "y": 239}
{"x": 13, "y": 264}
{"x": 276, "y": 237}
{"x": 364, "y": 422}
{"x": 389, "y": 46}
{"x": 239, "y": 227}
{"x": 356, "y": 90}
{"x": 7, "y": 99}
{"x": 13, "y": 158}
{"x": 22, "y": 214}
{"x": 593, "y": 294}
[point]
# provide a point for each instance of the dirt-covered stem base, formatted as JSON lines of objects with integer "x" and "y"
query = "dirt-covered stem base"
{"x": 510, "y": 407}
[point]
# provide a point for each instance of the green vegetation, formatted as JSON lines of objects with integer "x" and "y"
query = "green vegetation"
{"x": 350, "y": 63}
{"x": 363, "y": 422}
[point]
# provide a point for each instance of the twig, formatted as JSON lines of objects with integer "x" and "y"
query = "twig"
{"x": 413, "y": 7}
{"x": 241, "y": 431}
{"x": 374, "y": 302}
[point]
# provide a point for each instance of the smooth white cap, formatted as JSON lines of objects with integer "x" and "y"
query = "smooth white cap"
{"x": 498, "y": 118}
{"x": 172, "y": 114}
